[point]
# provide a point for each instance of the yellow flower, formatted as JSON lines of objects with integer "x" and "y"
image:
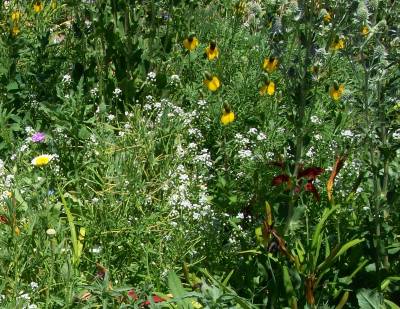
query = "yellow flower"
{"x": 38, "y": 6}
{"x": 42, "y": 160}
{"x": 365, "y": 30}
{"x": 270, "y": 64}
{"x": 338, "y": 43}
{"x": 336, "y": 91}
{"x": 15, "y": 30}
{"x": 190, "y": 43}
{"x": 15, "y": 16}
{"x": 269, "y": 88}
{"x": 327, "y": 17}
{"x": 212, "y": 82}
{"x": 212, "y": 51}
{"x": 53, "y": 4}
{"x": 227, "y": 115}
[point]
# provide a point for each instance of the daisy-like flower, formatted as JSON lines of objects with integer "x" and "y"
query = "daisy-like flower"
{"x": 212, "y": 82}
{"x": 338, "y": 43}
{"x": 336, "y": 91}
{"x": 42, "y": 160}
{"x": 227, "y": 115}
{"x": 38, "y": 6}
{"x": 212, "y": 51}
{"x": 269, "y": 88}
{"x": 38, "y": 137}
{"x": 15, "y": 16}
{"x": 270, "y": 64}
{"x": 365, "y": 30}
{"x": 191, "y": 42}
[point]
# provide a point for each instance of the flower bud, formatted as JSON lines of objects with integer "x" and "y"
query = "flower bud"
{"x": 362, "y": 11}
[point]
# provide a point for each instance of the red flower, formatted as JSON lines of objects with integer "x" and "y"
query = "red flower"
{"x": 311, "y": 188}
{"x": 311, "y": 173}
{"x": 280, "y": 179}
{"x": 3, "y": 219}
{"x": 156, "y": 299}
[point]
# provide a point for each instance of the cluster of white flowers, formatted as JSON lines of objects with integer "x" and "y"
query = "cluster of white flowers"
{"x": 315, "y": 120}
{"x": 175, "y": 80}
{"x": 66, "y": 79}
{"x": 117, "y": 92}
{"x": 151, "y": 77}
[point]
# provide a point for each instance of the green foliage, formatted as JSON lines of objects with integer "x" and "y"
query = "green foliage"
{"x": 275, "y": 185}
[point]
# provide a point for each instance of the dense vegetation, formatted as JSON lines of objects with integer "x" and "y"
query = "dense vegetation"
{"x": 200, "y": 154}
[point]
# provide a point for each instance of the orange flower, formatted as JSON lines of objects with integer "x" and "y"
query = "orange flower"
{"x": 336, "y": 91}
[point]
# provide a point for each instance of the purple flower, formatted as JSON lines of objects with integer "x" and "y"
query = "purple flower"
{"x": 38, "y": 137}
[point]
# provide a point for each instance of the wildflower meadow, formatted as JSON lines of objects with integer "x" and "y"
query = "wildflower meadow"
{"x": 200, "y": 154}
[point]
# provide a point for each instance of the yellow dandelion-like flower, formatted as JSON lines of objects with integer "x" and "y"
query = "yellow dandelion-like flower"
{"x": 336, "y": 91}
{"x": 227, "y": 115}
{"x": 15, "y": 30}
{"x": 212, "y": 51}
{"x": 190, "y": 43}
{"x": 42, "y": 160}
{"x": 338, "y": 43}
{"x": 212, "y": 82}
{"x": 269, "y": 88}
{"x": 365, "y": 30}
{"x": 270, "y": 64}
{"x": 15, "y": 16}
{"x": 38, "y": 6}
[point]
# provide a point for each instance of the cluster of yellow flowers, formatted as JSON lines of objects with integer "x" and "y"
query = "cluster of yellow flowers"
{"x": 16, "y": 15}
{"x": 212, "y": 82}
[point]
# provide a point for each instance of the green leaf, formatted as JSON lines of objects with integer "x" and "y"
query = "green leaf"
{"x": 12, "y": 86}
{"x": 175, "y": 285}
{"x": 390, "y": 304}
{"x": 369, "y": 299}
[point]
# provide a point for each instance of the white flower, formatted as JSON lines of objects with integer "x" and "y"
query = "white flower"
{"x": 151, "y": 76}
{"x": 34, "y": 285}
{"x": 29, "y": 130}
{"x": 253, "y": 131}
{"x": 66, "y": 79}
{"x": 175, "y": 79}
{"x": 94, "y": 91}
{"x": 202, "y": 102}
{"x": 315, "y": 120}
{"x": 261, "y": 136}
{"x": 117, "y": 91}
{"x": 244, "y": 153}
{"x": 110, "y": 117}
{"x": 347, "y": 133}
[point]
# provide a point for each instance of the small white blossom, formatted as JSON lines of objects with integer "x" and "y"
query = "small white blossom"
{"x": 66, "y": 79}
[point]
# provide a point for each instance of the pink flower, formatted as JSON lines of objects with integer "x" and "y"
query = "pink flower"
{"x": 38, "y": 137}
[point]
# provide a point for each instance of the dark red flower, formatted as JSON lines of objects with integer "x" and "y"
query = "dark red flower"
{"x": 311, "y": 188}
{"x": 311, "y": 173}
{"x": 132, "y": 294}
{"x": 3, "y": 219}
{"x": 156, "y": 299}
{"x": 280, "y": 179}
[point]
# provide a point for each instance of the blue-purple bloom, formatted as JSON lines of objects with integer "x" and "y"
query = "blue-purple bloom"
{"x": 38, "y": 137}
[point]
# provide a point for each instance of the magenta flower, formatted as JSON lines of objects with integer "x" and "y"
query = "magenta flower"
{"x": 38, "y": 137}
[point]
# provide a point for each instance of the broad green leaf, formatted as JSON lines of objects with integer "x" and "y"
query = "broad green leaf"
{"x": 175, "y": 285}
{"x": 369, "y": 299}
